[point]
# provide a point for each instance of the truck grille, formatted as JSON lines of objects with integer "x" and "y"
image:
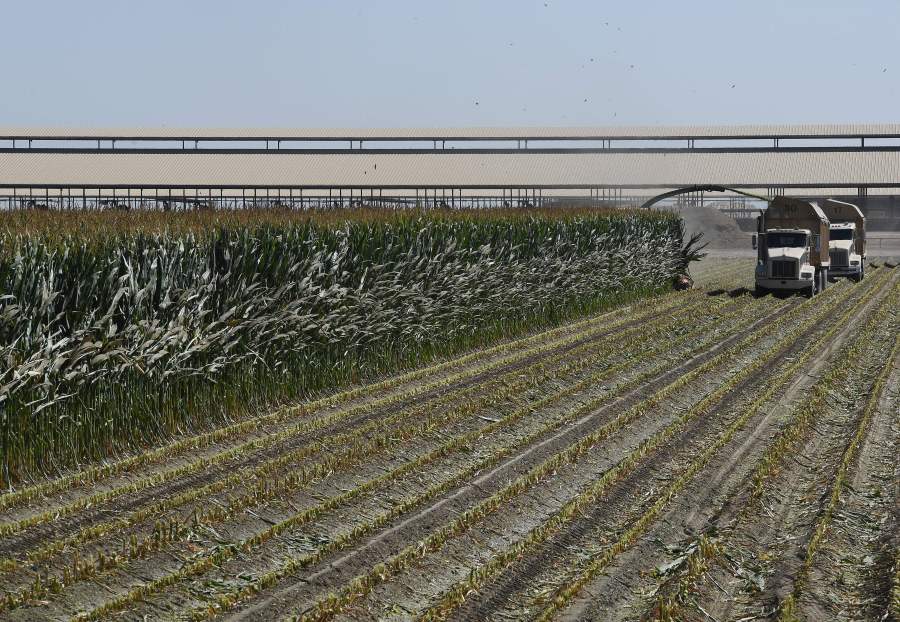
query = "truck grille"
{"x": 839, "y": 257}
{"x": 782, "y": 269}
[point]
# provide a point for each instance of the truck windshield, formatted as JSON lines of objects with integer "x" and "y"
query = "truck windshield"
{"x": 841, "y": 234}
{"x": 786, "y": 240}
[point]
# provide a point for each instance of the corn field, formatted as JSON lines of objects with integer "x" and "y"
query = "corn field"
{"x": 686, "y": 456}
{"x": 120, "y": 333}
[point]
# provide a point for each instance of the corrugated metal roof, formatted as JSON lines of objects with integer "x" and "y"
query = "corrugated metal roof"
{"x": 634, "y": 170}
{"x": 459, "y": 133}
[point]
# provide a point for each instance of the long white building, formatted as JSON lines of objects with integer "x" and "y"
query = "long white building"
{"x": 68, "y": 166}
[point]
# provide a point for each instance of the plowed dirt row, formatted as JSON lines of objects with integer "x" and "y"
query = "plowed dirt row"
{"x": 652, "y": 571}
{"x": 582, "y": 532}
{"x": 601, "y": 470}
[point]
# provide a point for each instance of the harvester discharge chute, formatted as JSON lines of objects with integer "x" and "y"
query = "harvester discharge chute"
{"x": 708, "y": 188}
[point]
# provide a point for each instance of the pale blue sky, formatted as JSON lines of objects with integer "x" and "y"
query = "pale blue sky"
{"x": 423, "y": 63}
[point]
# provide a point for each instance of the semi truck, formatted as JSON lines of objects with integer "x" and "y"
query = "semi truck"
{"x": 792, "y": 247}
{"x": 847, "y": 239}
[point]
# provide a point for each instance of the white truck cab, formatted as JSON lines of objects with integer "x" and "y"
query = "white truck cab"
{"x": 787, "y": 265}
{"x": 845, "y": 261}
{"x": 847, "y": 239}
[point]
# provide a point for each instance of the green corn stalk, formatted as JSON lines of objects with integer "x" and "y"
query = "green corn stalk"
{"x": 119, "y": 340}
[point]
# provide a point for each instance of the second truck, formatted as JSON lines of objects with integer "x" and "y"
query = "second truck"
{"x": 847, "y": 239}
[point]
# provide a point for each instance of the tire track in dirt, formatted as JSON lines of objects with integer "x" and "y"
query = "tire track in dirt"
{"x": 804, "y": 600}
{"x": 710, "y": 504}
{"x": 348, "y": 565}
{"x": 619, "y": 502}
{"x": 851, "y": 576}
{"x": 779, "y": 534}
{"x": 681, "y": 587}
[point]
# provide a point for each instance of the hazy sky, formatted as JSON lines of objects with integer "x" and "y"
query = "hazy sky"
{"x": 456, "y": 63}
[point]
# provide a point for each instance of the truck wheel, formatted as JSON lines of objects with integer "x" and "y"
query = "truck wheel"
{"x": 824, "y": 279}
{"x": 761, "y": 291}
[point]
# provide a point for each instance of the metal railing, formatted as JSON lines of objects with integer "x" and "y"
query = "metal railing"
{"x": 876, "y": 242}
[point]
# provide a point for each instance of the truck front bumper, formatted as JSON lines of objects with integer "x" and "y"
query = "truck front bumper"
{"x": 844, "y": 271}
{"x": 788, "y": 284}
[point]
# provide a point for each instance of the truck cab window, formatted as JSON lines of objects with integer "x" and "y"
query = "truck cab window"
{"x": 842, "y": 234}
{"x": 786, "y": 240}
